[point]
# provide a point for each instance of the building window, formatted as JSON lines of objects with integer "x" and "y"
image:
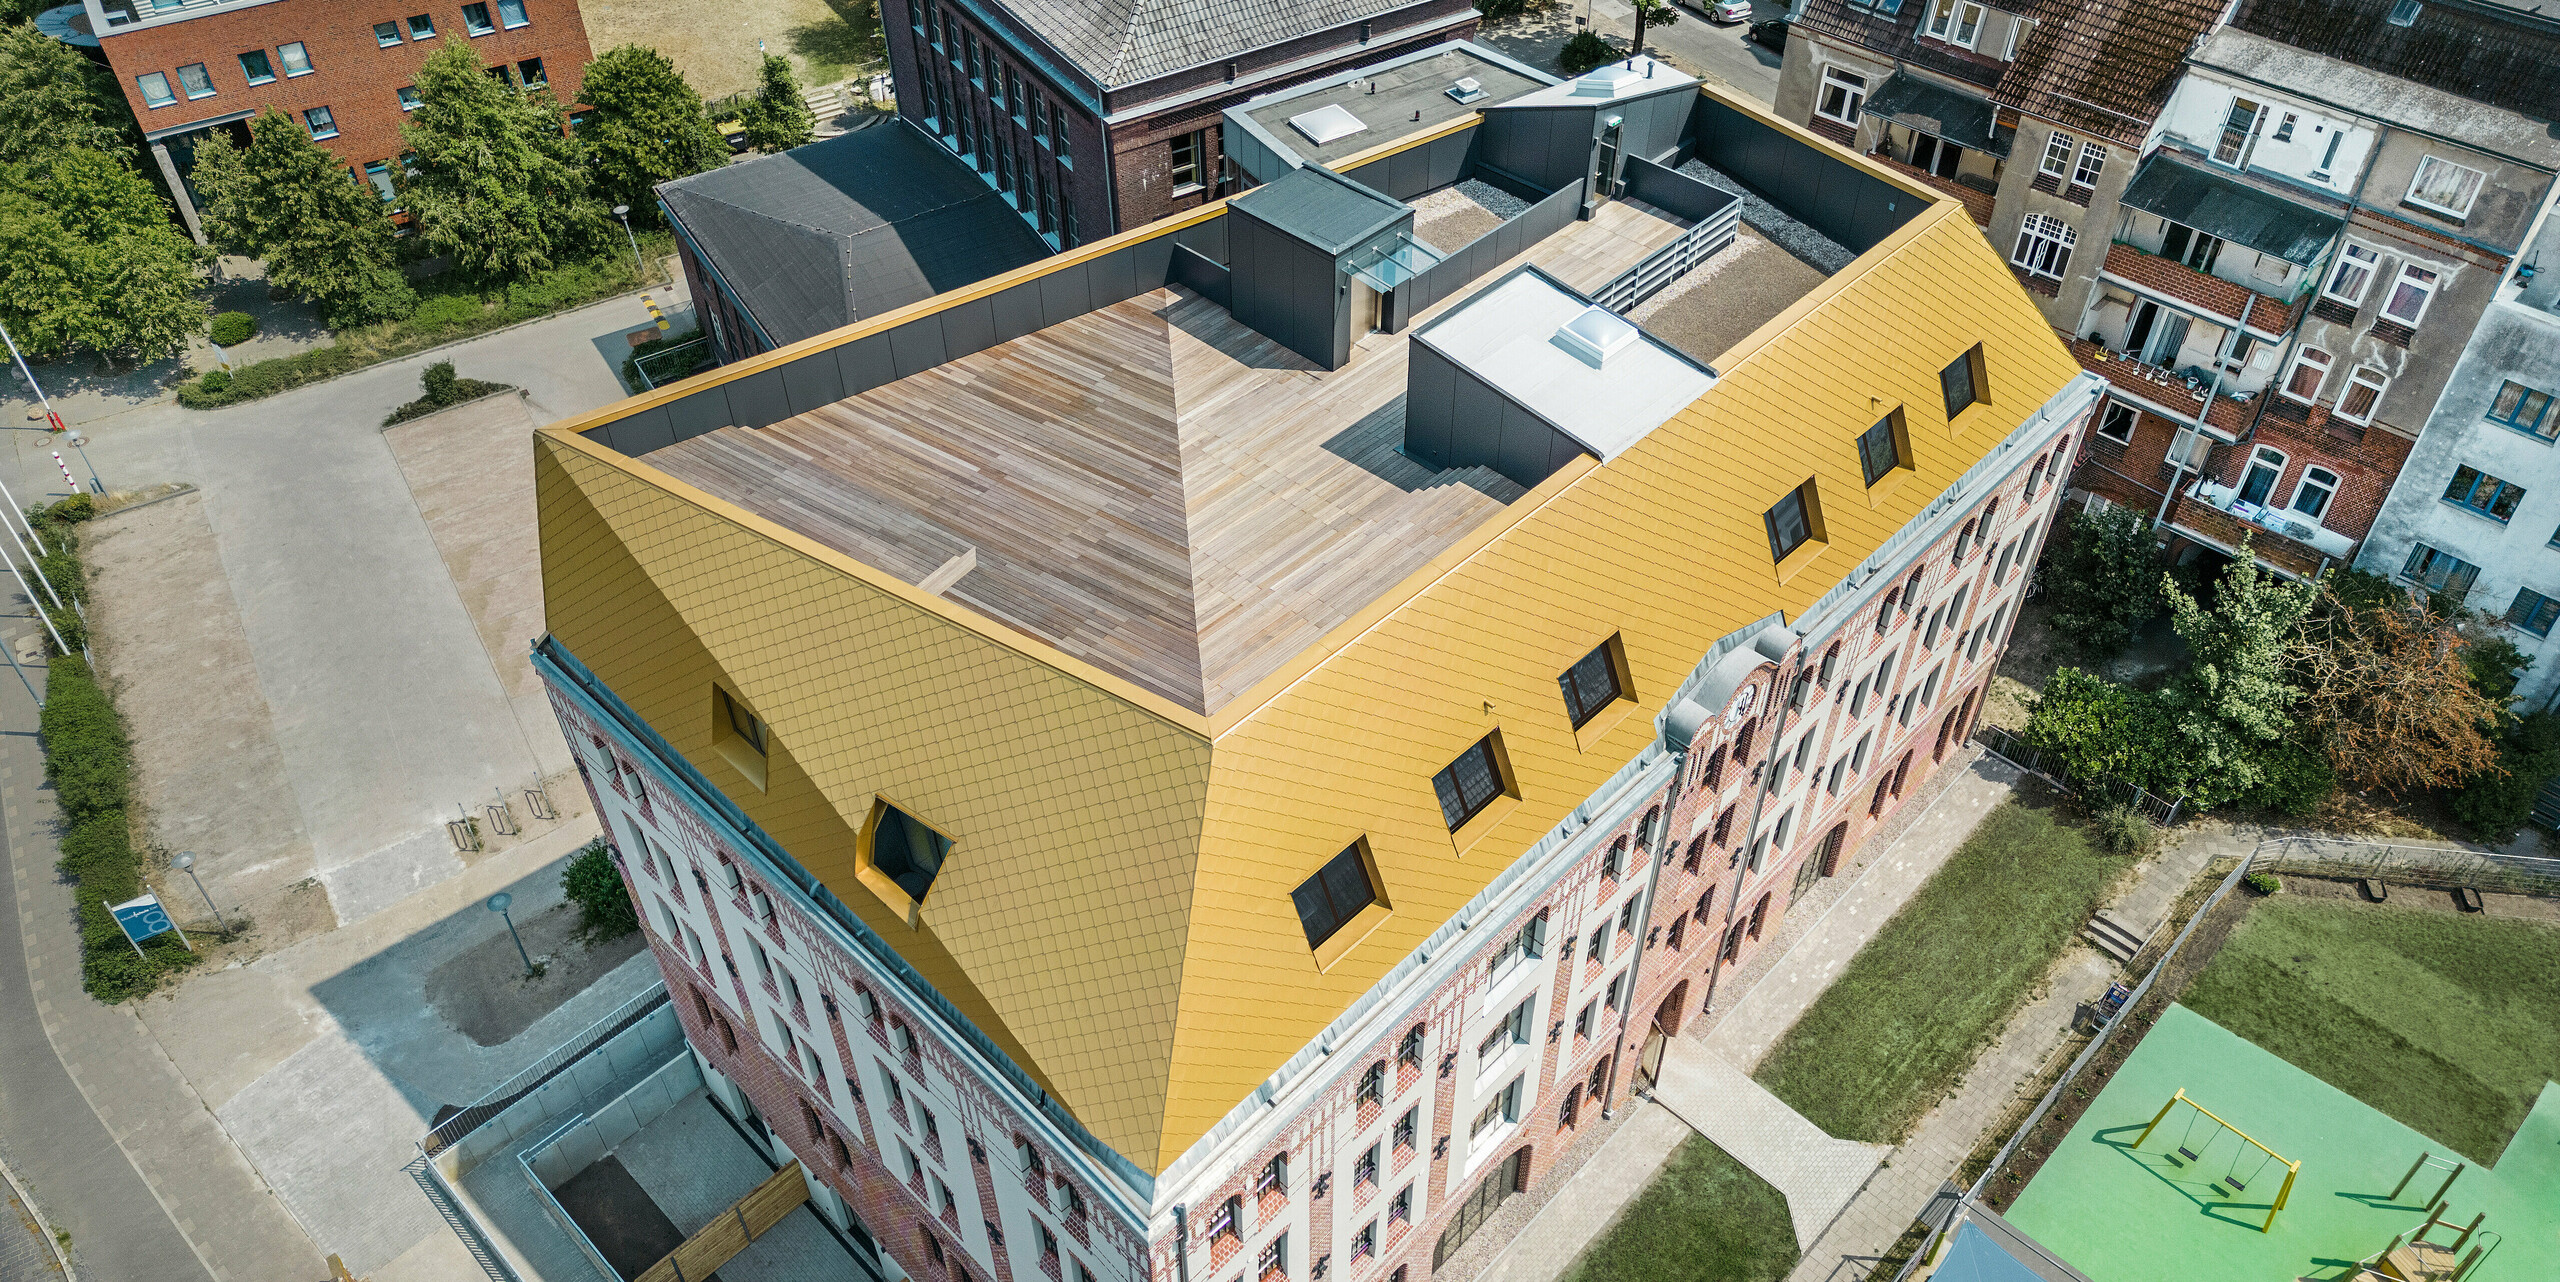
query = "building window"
{"x": 320, "y": 122}
{"x": 1469, "y": 784}
{"x": 2410, "y": 294}
{"x": 2483, "y": 493}
{"x": 2117, "y": 423}
{"x": 2093, "y": 161}
{"x": 2364, "y": 392}
{"x": 155, "y": 89}
{"x": 2239, "y": 129}
{"x": 408, "y": 95}
{"x": 475, "y": 19}
{"x": 1961, "y": 381}
{"x": 2194, "y": 248}
{"x": 1527, "y": 944}
{"x": 1186, "y": 161}
{"x": 1958, "y": 22}
{"x": 905, "y": 851}
{"x": 422, "y": 27}
{"x": 1512, "y": 1031}
{"x": 530, "y": 72}
{"x": 254, "y": 65}
{"x": 511, "y": 14}
{"x": 2057, "y": 154}
{"x": 1880, "y": 447}
{"x": 1273, "y": 1258}
{"x": 1058, "y": 137}
{"x": 1843, "y": 97}
{"x": 2441, "y": 571}
{"x": 195, "y": 80}
{"x": 2533, "y": 612}
{"x": 386, "y": 34}
{"x": 1791, "y": 523}
{"x": 2445, "y": 187}
{"x": 1591, "y": 684}
{"x": 2312, "y": 493}
{"x": 2044, "y": 245}
{"x": 2284, "y": 131}
{"x": 1327, "y": 901}
{"x": 1504, "y": 1108}
{"x": 378, "y": 172}
{"x": 2310, "y": 367}
{"x": 296, "y": 59}
{"x": 2524, "y": 409}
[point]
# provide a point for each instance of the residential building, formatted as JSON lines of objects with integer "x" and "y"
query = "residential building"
{"x": 1218, "y": 752}
{"x": 189, "y": 67}
{"x": 2476, "y": 512}
{"x": 1095, "y": 116}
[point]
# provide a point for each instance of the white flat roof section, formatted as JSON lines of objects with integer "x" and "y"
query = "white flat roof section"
{"x": 1597, "y": 377}
{"x": 1607, "y": 84}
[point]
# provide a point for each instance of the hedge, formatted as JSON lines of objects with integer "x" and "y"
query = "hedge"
{"x": 90, "y": 763}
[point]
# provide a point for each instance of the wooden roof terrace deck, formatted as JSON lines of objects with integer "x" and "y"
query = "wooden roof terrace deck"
{"x": 1151, "y": 487}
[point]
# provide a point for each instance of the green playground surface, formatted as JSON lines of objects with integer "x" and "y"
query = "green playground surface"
{"x": 2123, "y": 1215}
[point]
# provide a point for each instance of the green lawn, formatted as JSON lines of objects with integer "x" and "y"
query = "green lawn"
{"x": 2449, "y": 1024}
{"x": 1892, "y": 1034}
{"x": 1705, "y": 1218}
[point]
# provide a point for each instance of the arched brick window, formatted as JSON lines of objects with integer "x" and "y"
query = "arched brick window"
{"x": 1697, "y": 853}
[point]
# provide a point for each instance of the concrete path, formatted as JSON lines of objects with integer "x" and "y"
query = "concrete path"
{"x": 1817, "y": 1173}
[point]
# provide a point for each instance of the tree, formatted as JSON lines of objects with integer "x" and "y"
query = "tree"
{"x": 89, "y": 258}
{"x": 2388, "y": 694}
{"x": 777, "y": 118}
{"x": 496, "y": 183}
{"x": 2105, "y": 583}
{"x": 2500, "y": 799}
{"x": 2231, "y": 703}
{"x": 52, "y": 98}
{"x": 648, "y": 127}
{"x": 324, "y": 236}
{"x": 1652, "y": 13}
{"x": 2093, "y": 727}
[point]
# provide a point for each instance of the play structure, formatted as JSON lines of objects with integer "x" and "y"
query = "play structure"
{"x": 2411, "y": 1257}
{"x": 2201, "y": 1149}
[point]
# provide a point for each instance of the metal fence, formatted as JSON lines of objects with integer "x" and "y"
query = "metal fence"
{"x": 524, "y": 1083}
{"x": 2106, "y": 788}
{"x": 2437, "y": 867}
{"x": 1698, "y": 244}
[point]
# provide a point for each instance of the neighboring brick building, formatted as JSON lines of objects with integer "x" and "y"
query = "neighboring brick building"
{"x": 344, "y": 70}
{"x": 1100, "y": 115}
{"x": 1120, "y": 810}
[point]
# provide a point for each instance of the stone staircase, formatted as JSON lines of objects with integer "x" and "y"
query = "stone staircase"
{"x": 2115, "y": 937}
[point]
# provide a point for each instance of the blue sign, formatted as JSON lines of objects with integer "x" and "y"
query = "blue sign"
{"x": 142, "y": 918}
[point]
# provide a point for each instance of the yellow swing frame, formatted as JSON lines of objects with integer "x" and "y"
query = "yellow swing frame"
{"x": 2291, "y": 1169}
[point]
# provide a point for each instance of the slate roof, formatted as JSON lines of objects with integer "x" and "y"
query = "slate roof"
{"x": 2485, "y": 52}
{"x": 824, "y": 235}
{"x": 1321, "y": 207}
{"x": 1122, "y": 42}
{"x": 2102, "y": 68}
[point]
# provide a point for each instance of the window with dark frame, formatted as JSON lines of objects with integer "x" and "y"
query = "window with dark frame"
{"x": 906, "y": 851}
{"x": 1961, "y": 381}
{"x": 1469, "y": 784}
{"x": 1185, "y": 171}
{"x": 1327, "y": 901}
{"x": 2524, "y": 409}
{"x": 2533, "y": 612}
{"x": 1591, "y": 684}
{"x": 1880, "y": 448}
{"x": 2482, "y": 493}
{"x": 2117, "y": 424}
{"x": 1791, "y": 522}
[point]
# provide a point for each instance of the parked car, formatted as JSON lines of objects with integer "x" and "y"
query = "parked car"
{"x": 1772, "y": 34}
{"x": 1727, "y": 12}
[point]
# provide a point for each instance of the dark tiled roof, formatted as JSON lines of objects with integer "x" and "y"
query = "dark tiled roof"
{"x": 1320, "y": 207}
{"x": 2468, "y": 49}
{"x": 2230, "y": 209}
{"x": 1960, "y": 118}
{"x": 1121, "y": 42}
{"x": 824, "y": 235}
{"x": 2102, "y": 67}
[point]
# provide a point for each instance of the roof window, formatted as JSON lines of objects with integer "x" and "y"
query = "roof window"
{"x": 1328, "y": 123}
{"x": 1596, "y": 335}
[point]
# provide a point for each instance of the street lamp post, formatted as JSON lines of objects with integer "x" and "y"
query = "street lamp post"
{"x": 186, "y": 863}
{"x": 498, "y": 903}
{"x": 623, "y": 212}
{"x": 80, "y": 442}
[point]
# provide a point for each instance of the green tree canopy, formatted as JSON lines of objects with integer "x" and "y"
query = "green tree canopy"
{"x": 324, "y": 236}
{"x": 496, "y": 182}
{"x": 52, "y": 98}
{"x": 2105, "y": 582}
{"x": 648, "y": 128}
{"x": 89, "y": 258}
{"x": 778, "y": 117}
{"x": 2232, "y": 701}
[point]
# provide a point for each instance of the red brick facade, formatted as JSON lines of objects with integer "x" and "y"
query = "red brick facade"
{"x": 353, "y": 74}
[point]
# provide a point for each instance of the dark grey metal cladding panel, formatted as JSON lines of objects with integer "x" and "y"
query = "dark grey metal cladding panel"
{"x": 758, "y": 400}
{"x": 1115, "y": 278}
{"x": 812, "y": 381}
{"x": 1475, "y": 423}
{"x": 1194, "y": 271}
{"x": 1527, "y": 446}
{"x": 1017, "y": 311}
{"x": 703, "y": 411}
{"x": 866, "y": 363}
{"x": 1677, "y": 192}
{"x": 1549, "y": 146}
{"x": 1430, "y": 392}
{"x": 1452, "y": 157}
{"x": 1066, "y": 295}
{"x": 1655, "y": 124}
{"x": 917, "y": 345}
{"x": 636, "y": 434}
{"x": 968, "y": 327}
{"x": 1209, "y": 238}
{"x": 1150, "y": 262}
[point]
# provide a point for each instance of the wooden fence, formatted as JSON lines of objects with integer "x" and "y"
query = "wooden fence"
{"x": 729, "y": 1232}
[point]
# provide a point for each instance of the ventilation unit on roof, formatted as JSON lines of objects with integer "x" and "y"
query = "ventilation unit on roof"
{"x": 1327, "y": 123}
{"x": 1467, "y": 90}
{"x": 2405, "y": 13}
{"x": 1596, "y": 335}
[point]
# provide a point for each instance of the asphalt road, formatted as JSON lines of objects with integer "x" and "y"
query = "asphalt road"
{"x": 1724, "y": 52}
{"x": 70, "y": 1163}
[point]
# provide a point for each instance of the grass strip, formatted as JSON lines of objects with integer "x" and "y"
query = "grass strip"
{"x": 1894, "y": 1033}
{"x": 1705, "y": 1218}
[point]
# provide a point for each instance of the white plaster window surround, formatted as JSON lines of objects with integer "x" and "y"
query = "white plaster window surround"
{"x": 1504, "y": 993}
{"x": 2411, "y": 293}
{"x": 2353, "y": 274}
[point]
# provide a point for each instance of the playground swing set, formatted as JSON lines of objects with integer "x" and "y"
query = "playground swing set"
{"x": 2190, "y": 1152}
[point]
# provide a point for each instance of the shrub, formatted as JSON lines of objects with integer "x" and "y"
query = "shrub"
{"x": 1585, "y": 51}
{"x": 87, "y": 756}
{"x": 2123, "y": 830}
{"x": 213, "y": 382}
{"x": 605, "y": 909}
{"x": 439, "y": 383}
{"x": 666, "y": 371}
{"x": 89, "y": 761}
{"x": 2095, "y": 728}
{"x": 2264, "y": 883}
{"x": 442, "y": 389}
{"x": 2105, "y": 581}
{"x": 230, "y": 329}
{"x": 77, "y": 507}
{"x": 2495, "y": 806}
{"x": 2293, "y": 780}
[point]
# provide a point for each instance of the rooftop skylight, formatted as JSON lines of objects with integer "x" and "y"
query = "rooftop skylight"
{"x": 1327, "y": 124}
